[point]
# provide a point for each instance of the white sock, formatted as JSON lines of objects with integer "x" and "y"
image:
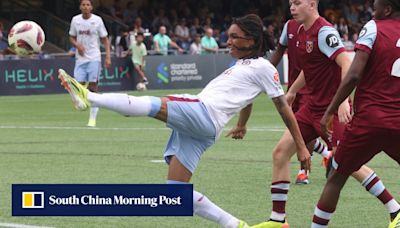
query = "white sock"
{"x": 126, "y": 105}
{"x": 321, "y": 149}
{"x": 93, "y": 112}
{"x": 204, "y": 208}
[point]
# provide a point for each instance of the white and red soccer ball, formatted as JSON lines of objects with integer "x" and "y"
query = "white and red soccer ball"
{"x": 26, "y": 37}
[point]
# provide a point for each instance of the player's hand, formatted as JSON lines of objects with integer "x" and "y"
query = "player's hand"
{"x": 326, "y": 125}
{"x": 237, "y": 132}
{"x": 290, "y": 98}
{"x": 304, "y": 157}
{"x": 107, "y": 62}
{"x": 180, "y": 50}
{"x": 344, "y": 112}
{"x": 81, "y": 49}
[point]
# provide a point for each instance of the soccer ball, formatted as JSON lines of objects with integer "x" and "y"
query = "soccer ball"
{"x": 141, "y": 86}
{"x": 25, "y": 38}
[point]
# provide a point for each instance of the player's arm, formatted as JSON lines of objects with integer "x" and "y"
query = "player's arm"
{"x": 75, "y": 43}
{"x": 345, "y": 88}
{"x": 290, "y": 121}
{"x": 344, "y": 62}
{"x": 106, "y": 44}
{"x": 240, "y": 130}
{"x": 282, "y": 46}
{"x": 277, "y": 55}
{"x": 297, "y": 85}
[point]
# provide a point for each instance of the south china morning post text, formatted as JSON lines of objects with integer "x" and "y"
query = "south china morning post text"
{"x": 116, "y": 200}
{"x": 102, "y": 200}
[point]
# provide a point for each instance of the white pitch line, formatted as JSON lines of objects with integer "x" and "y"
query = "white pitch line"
{"x": 157, "y": 161}
{"x": 15, "y": 225}
{"x": 262, "y": 129}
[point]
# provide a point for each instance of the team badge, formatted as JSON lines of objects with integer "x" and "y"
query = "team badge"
{"x": 309, "y": 46}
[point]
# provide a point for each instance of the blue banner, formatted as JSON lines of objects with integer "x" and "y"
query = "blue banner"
{"x": 102, "y": 200}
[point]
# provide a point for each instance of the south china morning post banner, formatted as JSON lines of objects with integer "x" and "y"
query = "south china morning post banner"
{"x": 39, "y": 76}
{"x": 102, "y": 200}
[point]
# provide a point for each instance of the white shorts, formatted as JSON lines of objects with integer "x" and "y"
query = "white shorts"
{"x": 87, "y": 72}
{"x": 192, "y": 132}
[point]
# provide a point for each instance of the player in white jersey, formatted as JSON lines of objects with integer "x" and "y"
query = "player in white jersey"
{"x": 85, "y": 33}
{"x": 197, "y": 120}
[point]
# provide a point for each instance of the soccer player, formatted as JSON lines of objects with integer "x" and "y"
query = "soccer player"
{"x": 288, "y": 41}
{"x": 84, "y": 34}
{"x": 197, "y": 121}
{"x": 324, "y": 62}
{"x": 138, "y": 50}
{"x": 375, "y": 125}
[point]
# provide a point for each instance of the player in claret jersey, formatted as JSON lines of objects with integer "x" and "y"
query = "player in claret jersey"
{"x": 375, "y": 125}
{"x": 288, "y": 41}
{"x": 324, "y": 61}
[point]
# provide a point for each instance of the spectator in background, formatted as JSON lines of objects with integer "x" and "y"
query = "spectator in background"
{"x": 159, "y": 20}
{"x": 116, "y": 10}
{"x": 223, "y": 39}
{"x": 348, "y": 44}
{"x": 182, "y": 34}
{"x": 195, "y": 47}
{"x": 3, "y": 38}
{"x": 353, "y": 15}
{"x": 196, "y": 28}
{"x": 138, "y": 51}
{"x": 162, "y": 41}
{"x": 342, "y": 27}
{"x": 208, "y": 43}
{"x": 137, "y": 26}
{"x": 130, "y": 13}
{"x": 208, "y": 24}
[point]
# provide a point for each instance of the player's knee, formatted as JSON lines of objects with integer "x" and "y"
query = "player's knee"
{"x": 279, "y": 155}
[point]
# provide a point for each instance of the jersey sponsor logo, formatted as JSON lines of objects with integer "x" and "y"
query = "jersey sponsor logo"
{"x": 332, "y": 40}
{"x": 84, "y": 32}
{"x": 363, "y": 32}
{"x": 309, "y": 46}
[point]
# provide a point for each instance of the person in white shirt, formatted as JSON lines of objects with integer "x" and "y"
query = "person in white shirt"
{"x": 85, "y": 33}
{"x": 195, "y": 47}
{"x": 198, "y": 120}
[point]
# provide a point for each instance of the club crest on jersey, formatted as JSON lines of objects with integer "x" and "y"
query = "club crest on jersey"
{"x": 309, "y": 46}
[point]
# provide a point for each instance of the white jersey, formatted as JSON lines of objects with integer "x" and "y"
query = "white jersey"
{"x": 237, "y": 87}
{"x": 88, "y": 33}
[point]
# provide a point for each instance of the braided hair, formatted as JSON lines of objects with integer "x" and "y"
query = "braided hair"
{"x": 252, "y": 26}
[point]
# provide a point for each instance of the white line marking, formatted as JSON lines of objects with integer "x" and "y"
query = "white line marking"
{"x": 15, "y": 225}
{"x": 157, "y": 161}
{"x": 262, "y": 129}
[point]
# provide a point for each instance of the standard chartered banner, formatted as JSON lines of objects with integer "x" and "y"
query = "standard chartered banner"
{"x": 184, "y": 71}
{"x": 26, "y": 77}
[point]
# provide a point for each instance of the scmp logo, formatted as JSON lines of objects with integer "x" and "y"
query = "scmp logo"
{"x": 32, "y": 199}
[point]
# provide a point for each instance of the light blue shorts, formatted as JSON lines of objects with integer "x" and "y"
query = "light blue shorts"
{"x": 192, "y": 132}
{"x": 87, "y": 72}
